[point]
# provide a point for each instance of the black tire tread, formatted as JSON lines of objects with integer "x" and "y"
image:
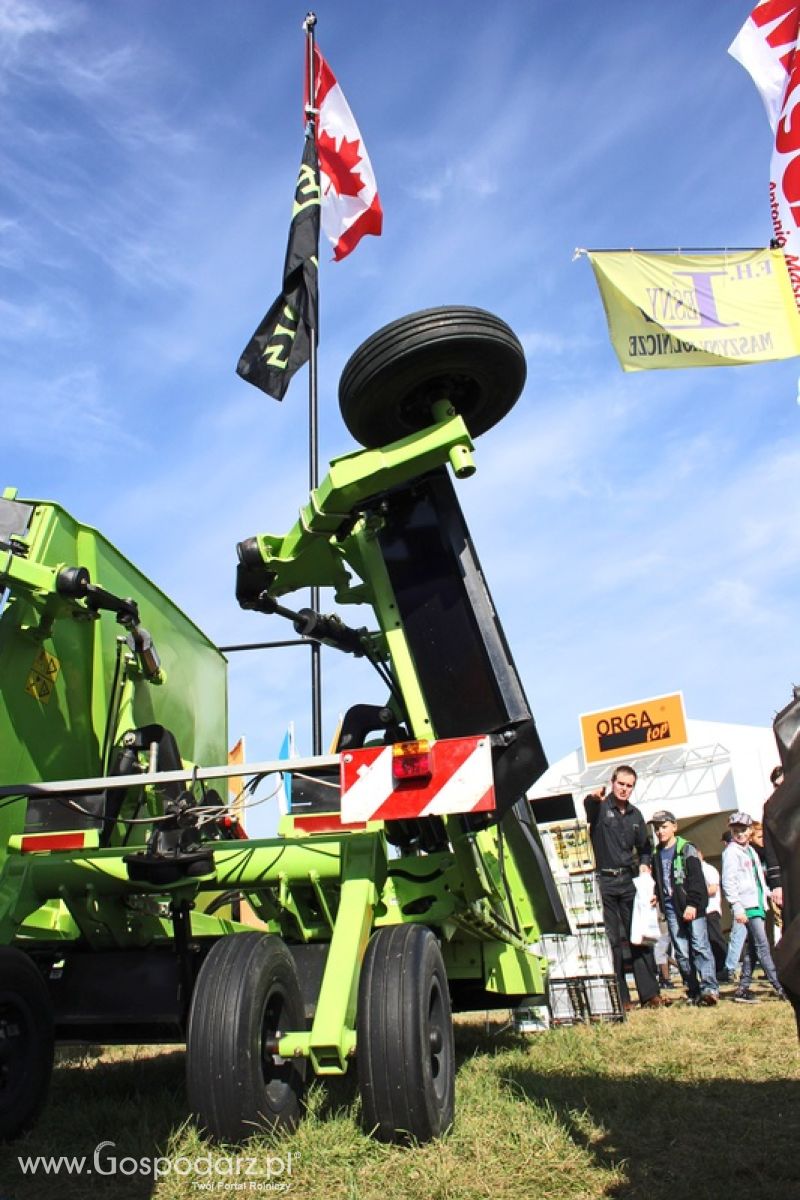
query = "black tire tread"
{"x": 396, "y": 1102}
{"x": 223, "y": 1060}
{"x": 21, "y": 981}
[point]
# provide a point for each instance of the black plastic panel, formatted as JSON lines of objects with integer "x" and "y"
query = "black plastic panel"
{"x": 14, "y": 519}
{"x": 463, "y": 662}
{"x": 461, "y": 656}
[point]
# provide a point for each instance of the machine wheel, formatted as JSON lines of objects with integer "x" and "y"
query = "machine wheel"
{"x": 464, "y": 355}
{"x": 247, "y": 993}
{"x": 26, "y": 1042}
{"x": 406, "y": 1058}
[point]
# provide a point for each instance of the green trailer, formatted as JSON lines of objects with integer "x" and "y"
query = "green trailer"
{"x": 407, "y": 879}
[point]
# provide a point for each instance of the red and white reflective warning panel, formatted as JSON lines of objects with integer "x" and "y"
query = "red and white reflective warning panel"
{"x": 449, "y": 776}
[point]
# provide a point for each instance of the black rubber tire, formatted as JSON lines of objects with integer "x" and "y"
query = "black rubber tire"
{"x": 404, "y": 1031}
{"x": 26, "y": 1042}
{"x": 464, "y": 355}
{"x": 246, "y": 991}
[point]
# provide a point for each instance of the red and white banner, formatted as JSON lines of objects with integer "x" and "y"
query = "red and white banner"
{"x": 351, "y": 206}
{"x": 766, "y": 46}
{"x": 461, "y": 781}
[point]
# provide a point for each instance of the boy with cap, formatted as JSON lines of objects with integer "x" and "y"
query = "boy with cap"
{"x": 746, "y": 891}
{"x": 683, "y": 896}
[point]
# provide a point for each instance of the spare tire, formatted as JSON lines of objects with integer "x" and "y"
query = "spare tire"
{"x": 466, "y": 356}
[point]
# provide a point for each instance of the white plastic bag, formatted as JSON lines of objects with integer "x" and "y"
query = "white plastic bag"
{"x": 644, "y": 922}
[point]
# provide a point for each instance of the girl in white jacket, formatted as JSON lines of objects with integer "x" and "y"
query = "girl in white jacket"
{"x": 746, "y": 891}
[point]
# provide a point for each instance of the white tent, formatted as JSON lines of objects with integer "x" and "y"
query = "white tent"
{"x": 721, "y": 768}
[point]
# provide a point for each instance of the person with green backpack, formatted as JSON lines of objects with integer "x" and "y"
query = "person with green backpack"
{"x": 683, "y": 896}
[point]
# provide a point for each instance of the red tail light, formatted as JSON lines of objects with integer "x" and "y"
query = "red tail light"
{"x": 412, "y": 762}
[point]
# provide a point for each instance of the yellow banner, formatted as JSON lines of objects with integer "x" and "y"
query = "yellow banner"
{"x": 697, "y": 310}
{"x": 640, "y": 727}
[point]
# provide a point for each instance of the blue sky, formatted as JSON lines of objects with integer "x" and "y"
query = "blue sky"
{"x": 639, "y": 532}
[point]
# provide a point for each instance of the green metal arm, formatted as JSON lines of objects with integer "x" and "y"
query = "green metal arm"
{"x": 309, "y": 554}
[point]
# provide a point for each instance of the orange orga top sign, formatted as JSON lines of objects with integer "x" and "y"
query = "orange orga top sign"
{"x": 639, "y": 727}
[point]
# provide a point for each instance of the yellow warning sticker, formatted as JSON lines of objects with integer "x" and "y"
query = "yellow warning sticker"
{"x": 42, "y": 678}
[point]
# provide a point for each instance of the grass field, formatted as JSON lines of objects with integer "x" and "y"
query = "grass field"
{"x": 686, "y": 1103}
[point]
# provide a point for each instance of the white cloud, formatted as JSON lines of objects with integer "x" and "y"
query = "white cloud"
{"x": 22, "y": 321}
{"x": 549, "y": 342}
{"x": 733, "y": 601}
{"x": 98, "y": 74}
{"x": 63, "y": 415}
{"x": 21, "y": 19}
{"x": 463, "y": 178}
{"x": 25, "y": 26}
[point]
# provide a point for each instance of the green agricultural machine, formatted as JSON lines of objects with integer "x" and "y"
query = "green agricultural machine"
{"x": 407, "y": 879}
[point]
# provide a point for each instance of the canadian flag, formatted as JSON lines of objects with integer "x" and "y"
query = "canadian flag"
{"x": 351, "y": 206}
{"x": 767, "y": 47}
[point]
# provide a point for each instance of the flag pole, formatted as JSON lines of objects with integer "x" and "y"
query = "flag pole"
{"x": 313, "y": 411}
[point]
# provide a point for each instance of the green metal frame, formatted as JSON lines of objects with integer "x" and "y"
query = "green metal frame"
{"x": 333, "y": 888}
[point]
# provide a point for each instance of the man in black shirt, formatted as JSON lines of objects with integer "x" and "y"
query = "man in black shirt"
{"x": 621, "y": 850}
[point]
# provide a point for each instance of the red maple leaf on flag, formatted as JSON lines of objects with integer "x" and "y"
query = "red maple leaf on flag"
{"x": 340, "y": 164}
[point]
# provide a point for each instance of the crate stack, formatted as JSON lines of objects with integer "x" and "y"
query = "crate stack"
{"x": 582, "y": 985}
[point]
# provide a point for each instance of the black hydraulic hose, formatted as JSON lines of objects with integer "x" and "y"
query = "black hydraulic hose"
{"x": 112, "y": 710}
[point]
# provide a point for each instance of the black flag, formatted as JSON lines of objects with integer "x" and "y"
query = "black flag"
{"x": 280, "y": 345}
